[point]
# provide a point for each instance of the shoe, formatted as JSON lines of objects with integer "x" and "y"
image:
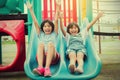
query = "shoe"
{"x": 47, "y": 72}
{"x": 72, "y": 68}
{"x": 39, "y": 70}
{"x": 79, "y": 70}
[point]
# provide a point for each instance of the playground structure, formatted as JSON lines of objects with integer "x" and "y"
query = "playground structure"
{"x": 15, "y": 28}
{"x": 60, "y": 70}
{"x": 76, "y": 13}
{"x": 11, "y": 6}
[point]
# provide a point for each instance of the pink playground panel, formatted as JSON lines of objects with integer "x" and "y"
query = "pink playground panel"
{"x": 69, "y": 8}
{"x": 15, "y": 28}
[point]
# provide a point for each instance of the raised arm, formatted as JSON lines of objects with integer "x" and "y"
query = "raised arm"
{"x": 57, "y": 15}
{"x": 61, "y": 25}
{"x": 94, "y": 20}
{"x": 29, "y": 6}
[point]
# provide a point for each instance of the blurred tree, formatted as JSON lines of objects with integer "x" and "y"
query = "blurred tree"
{"x": 118, "y": 23}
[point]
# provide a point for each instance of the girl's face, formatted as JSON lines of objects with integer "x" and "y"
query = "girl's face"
{"x": 73, "y": 30}
{"x": 47, "y": 28}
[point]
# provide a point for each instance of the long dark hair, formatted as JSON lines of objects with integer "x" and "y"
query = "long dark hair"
{"x": 70, "y": 25}
{"x": 47, "y": 21}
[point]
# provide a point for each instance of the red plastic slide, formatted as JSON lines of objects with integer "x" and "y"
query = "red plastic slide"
{"x": 15, "y": 28}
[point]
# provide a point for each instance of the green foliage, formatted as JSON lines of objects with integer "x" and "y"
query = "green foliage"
{"x": 8, "y": 42}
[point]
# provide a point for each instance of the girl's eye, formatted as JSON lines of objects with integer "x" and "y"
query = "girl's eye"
{"x": 44, "y": 26}
{"x": 48, "y": 26}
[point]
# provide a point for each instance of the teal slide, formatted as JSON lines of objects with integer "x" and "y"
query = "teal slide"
{"x": 92, "y": 66}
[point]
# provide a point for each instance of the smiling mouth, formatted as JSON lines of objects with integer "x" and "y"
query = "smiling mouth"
{"x": 47, "y": 31}
{"x": 73, "y": 32}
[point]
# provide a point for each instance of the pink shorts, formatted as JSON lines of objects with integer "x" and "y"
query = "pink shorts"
{"x": 54, "y": 61}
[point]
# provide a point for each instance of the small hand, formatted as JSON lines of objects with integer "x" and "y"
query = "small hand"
{"x": 100, "y": 14}
{"x": 58, "y": 5}
{"x": 29, "y": 6}
{"x": 58, "y": 2}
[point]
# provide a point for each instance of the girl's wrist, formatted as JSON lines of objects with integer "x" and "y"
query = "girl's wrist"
{"x": 30, "y": 7}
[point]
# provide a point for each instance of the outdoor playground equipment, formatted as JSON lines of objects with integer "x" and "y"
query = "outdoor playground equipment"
{"x": 92, "y": 65}
{"x": 14, "y": 28}
{"x": 11, "y": 6}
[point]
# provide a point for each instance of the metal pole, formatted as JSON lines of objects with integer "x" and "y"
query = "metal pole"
{"x": 99, "y": 37}
{"x": 0, "y": 51}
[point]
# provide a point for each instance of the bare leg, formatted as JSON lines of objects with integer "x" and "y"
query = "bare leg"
{"x": 49, "y": 57}
{"x": 50, "y": 54}
{"x": 80, "y": 61}
{"x": 72, "y": 57}
{"x": 40, "y": 54}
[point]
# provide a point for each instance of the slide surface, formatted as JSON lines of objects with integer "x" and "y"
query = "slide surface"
{"x": 92, "y": 66}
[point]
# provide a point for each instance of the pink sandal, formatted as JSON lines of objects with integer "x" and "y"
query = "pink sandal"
{"x": 47, "y": 72}
{"x": 39, "y": 70}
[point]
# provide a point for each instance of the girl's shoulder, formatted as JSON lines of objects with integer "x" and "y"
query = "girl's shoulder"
{"x": 52, "y": 34}
{"x": 79, "y": 34}
{"x": 42, "y": 33}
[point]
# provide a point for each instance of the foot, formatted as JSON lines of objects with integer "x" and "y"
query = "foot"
{"x": 72, "y": 68}
{"x": 79, "y": 70}
{"x": 47, "y": 72}
{"x": 39, "y": 70}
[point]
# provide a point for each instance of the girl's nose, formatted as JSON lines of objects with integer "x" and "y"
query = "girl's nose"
{"x": 74, "y": 29}
{"x": 47, "y": 27}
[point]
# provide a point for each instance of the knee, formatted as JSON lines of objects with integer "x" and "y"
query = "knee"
{"x": 72, "y": 55}
{"x": 41, "y": 45}
{"x": 80, "y": 55}
{"x": 50, "y": 45}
